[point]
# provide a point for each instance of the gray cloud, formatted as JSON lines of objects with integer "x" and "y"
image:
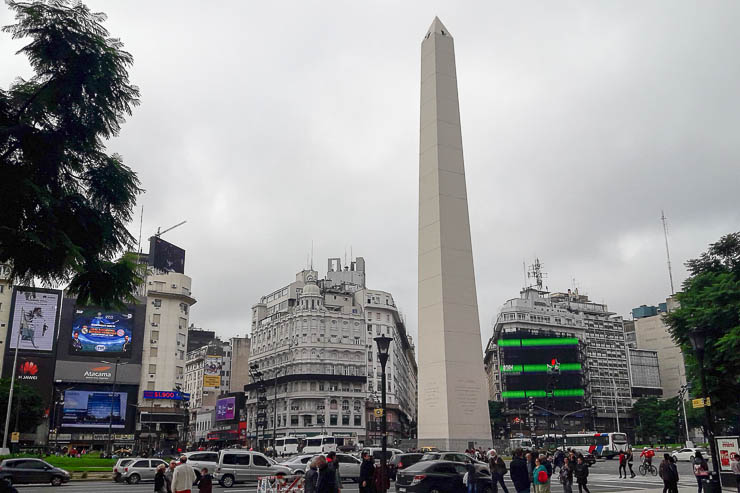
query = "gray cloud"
{"x": 271, "y": 125}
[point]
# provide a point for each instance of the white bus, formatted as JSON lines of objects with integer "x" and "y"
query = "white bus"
{"x": 605, "y": 445}
{"x": 320, "y": 444}
{"x": 286, "y": 445}
{"x": 522, "y": 443}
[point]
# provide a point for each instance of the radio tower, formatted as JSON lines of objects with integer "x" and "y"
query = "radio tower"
{"x": 667, "y": 253}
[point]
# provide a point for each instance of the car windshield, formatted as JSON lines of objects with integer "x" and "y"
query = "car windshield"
{"x": 430, "y": 456}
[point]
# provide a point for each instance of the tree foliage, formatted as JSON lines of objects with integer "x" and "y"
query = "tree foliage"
{"x": 658, "y": 420}
{"x": 710, "y": 302}
{"x": 31, "y": 410}
{"x": 66, "y": 202}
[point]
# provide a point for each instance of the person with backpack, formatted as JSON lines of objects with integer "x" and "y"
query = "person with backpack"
{"x": 622, "y": 464}
{"x": 701, "y": 469}
{"x": 566, "y": 475}
{"x": 580, "y": 471}
{"x": 668, "y": 472}
{"x": 519, "y": 472}
{"x": 539, "y": 477}
{"x": 498, "y": 470}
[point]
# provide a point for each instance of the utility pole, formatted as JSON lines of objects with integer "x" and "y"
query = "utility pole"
{"x": 667, "y": 253}
{"x": 5, "y": 449}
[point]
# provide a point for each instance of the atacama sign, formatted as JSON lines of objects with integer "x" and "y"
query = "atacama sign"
{"x": 80, "y": 371}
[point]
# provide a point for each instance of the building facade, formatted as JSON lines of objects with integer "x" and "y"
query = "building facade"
{"x": 644, "y": 373}
{"x": 239, "y": 363}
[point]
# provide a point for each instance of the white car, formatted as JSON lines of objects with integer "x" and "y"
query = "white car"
{"x": 199, "y": 460}
{"x": 349, "y": 467}
{"x": 688, "y": 454}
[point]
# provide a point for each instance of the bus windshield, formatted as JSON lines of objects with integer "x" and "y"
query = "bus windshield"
{"x": 313, "y": 442}
{"x": 619, "y": 438}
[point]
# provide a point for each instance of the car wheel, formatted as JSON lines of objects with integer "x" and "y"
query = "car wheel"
{"x": 227, "y": 481}
{"x": 133, "y": 479}
{"x": 298, "y": 472}
{"x": 56, "y": 481}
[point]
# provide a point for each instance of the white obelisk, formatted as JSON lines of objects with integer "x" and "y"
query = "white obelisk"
{"x": 453, "y": 396}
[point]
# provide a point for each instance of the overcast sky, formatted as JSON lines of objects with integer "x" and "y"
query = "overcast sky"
{"x": 272, "y": 125}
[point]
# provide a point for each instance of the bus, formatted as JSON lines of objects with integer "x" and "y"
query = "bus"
{"x": 605, "y": 445}
{"x": 286, "y": 446}
{"x": 320, "y": 444}
{"x": 522, "y": 443}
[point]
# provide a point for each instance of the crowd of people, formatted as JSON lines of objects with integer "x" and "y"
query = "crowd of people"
{"x": 180, "y": 477}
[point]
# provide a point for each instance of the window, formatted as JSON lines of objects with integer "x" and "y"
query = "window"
{"x": 345, "y": 405}
{"x": 294, "y": 420}
{"x": 333, "y": 404}
{"x": 141, "y": 463}
{"x": 332, "y": 420}
{"x": 157, "y": 303}
{"x": 153, "y": 352}
{"x": 358, "y": 420}
{"x": 152, "y": 368}
{"x": 150, "y": 385}
{"x": 345, "y": 419}
{"x": 260, "y": 461}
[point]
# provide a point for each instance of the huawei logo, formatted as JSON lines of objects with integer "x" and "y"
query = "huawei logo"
{"x": 29, "y": 368}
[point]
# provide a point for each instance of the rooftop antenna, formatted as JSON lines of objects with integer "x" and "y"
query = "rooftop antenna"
{"x": 667, "y": 252}
{"x": 535, "y": 272}
{"x": 160, "y": 232}
{"x": 524, "y": 269}
{"x": 141, "y": 227}
{"x": 311, "y": 254}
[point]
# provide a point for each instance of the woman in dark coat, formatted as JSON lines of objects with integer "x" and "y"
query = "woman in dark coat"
{"x": 581, "y": 474}
{"x": 367, "y": 471}
{"x": 309, "y": 480}
{"x": 205, "y": 483}
{"x": 160, "y": 484}
{"x": 327, "y": 480}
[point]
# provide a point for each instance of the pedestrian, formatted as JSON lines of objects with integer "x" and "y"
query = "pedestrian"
{"x": 183, "y": 477}
{"x": 580, "y": 471}
{"x": 498, "y": 471}
{"x": 519, "y": 472}
{"x": 566, "y": 475}
{"x": 333, "y": 464}
{"x": 735, "y": 467}
{"x": 367, "y": 471}
{"x": 622, "y": 464}
{"x": 470, "y": 479}
{"x": 530, "y": 465}
{"x": 205, "y": 482}
{"x": 160, "y": 483}
{"x": 539, "y": 477}
{"x": 630, "y": 460}
{"x": 668, "y": 472}
{"x": 168, "y": 475}
{"x": 701, "y": 469}
{"x": 309, "y": 480}
{"x": 559, "y": 456}
{"x": 327, "y": 478}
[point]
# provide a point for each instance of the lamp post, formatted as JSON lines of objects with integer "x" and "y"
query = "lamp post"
{"x": 698, "y": 340}
{"x": 109, "y": 446}
{"x": 384, "y": 344}
{"x": 5, "y": 449}
{"x": 274, "y": 413}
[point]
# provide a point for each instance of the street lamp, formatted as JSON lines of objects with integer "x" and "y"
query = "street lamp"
{"x": 384, "y": 344}
{"x": 109, "y": 446}
{"x": 698, "y": 340}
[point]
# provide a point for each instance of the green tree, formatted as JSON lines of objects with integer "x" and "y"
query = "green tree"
{"x": 31, "y": 410}
{"x": 498, "y": 419}
{"x": 658, "y": 420}
{"x": 710, "y": 302}
{"x": 66, "y": 202}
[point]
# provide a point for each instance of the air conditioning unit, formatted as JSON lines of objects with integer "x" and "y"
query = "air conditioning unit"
{"x": 153, "y": 341}
{"x": 174, "y": 286}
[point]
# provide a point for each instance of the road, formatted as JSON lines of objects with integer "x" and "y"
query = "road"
{"x": 603, "y": 478}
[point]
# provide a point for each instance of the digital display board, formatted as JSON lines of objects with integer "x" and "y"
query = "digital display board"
{"x": 35, "y": 371}
{"x": 95, "y": 330}
{"x": 212, "y": 372}
{"x": 174, "y": 395}
{"x": 94, "y": 409}
{"x": 226, "y": 409}
{"x": 165, "y": 256}
{"x": 34, "y": 319}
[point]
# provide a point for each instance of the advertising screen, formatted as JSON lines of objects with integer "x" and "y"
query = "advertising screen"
{"x": 166, "y": 256}
{"x": 726, "y": 448}
{"x": 34, "y": 319}
{"x": 36, "y": 371}
{"x": 212, "y": 372}
{"x": 94, "y": 409}
{"x": 95, "y": 330}
{"x": 225, "y": 409}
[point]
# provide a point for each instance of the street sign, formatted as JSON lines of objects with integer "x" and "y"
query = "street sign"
{"x": 378, "y": 412}
{"x": 15, "y": 437}
{"x": 698, "y": 403}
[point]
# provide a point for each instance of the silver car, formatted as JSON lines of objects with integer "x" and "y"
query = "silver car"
{"x": 298, "y": 463}
{"x": 239, "y": 466}
{"x": 349, "y": 467}
{"x": 140, "y": 469}
{"x": 199, "y": 460}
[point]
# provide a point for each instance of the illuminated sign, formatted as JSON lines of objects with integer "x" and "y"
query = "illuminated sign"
{"x": 539, "y": 341}
{"x": 522, "y": 394}
{"x": 538, "y": 368}
{"x": 174, "y": 395}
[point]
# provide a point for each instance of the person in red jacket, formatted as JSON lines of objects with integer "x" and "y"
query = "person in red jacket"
{"x": 647, "y": 454}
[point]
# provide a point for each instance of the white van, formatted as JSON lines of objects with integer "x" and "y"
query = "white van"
{"x": 286, "y": 446}
{"x": 320, "y": 444}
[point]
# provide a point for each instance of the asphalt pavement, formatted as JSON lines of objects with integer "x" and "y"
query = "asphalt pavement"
{"x": 603, "y": 478}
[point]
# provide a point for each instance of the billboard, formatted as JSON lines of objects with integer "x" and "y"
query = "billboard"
{"x": 34, "y": 319}
{"x": 212, "y": 372}
{"x": 95, "y": 330}
{"x": 94, "y": 409}
{"x": 96, "y": 372}
{"x": 175, "y": 395}
{"x": 726, "y": 447}
{"x": 166, "y": 256}
{"x": 226, "y": 409}
{"x": 35, "y": 371}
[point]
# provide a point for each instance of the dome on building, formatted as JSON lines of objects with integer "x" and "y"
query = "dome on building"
{"x": 310, "y": 288}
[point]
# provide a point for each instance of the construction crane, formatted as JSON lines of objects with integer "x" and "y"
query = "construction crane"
{"x": 160, "y": 233}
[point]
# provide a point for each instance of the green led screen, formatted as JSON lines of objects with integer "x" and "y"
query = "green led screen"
{"x": 538, "y": 368}
{"x": 521, "y": 394}
{"x": 539, "y": 341}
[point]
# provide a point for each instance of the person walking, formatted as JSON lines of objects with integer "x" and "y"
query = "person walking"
{"x": 701, "y": 469}
{"x": 519, "y": 472}
{"x": 539, "y": 477}
{"x": 498, "y": 470}
{"x": 327, "y": 479}
{"x": 668, "y": 472}
{"x": 630, "y": 460}
{"x": 205, "y": 482}
{"x": 470, "y": 480}
{"x": 168, "y": 475}
{"x": 622, "y": 464}
{"x": 566, "y": 475}
{"x": 309, "y": 480}
{"x": 530, "y": 465}
{"x": 160, "y": 483}
{"x": 183, "y": 477}
{"x": 580, "y": 471}
{"x": 333, "y": 464}
{"x": 367, "y": 471}
{"x": 735, "y": 467}
{"x": 548, "y": 467}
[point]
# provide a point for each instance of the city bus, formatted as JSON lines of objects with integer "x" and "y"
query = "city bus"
{"x": 522, "y": 443}
{"x": 605, "y": 445}
{"x": 320, "y": 444}
{"x": 286, "y": 445}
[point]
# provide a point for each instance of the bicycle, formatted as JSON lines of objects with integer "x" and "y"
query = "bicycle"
{"x": 645, "y": 467}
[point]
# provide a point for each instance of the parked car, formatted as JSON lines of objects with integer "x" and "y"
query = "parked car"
{"x": 453, "y": 457}
{"x": 402, "y": 461}
{"x": 29, "y": 471}
{"x": 239, "y": 466}
{"x": 349, "y": 467}
{"x": 377, "y": 452}
{"x": 118, "y": 469}
{"x": 688, "y": 454}
{"x": 298, "y": 463}
{"x": 140, "y": 469}
{"x": 201, "y": 459}
{"x": 589, "y": 459}
{"x": 436, "y": 476}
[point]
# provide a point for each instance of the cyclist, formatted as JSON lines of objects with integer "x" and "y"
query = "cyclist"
{"x": 647, "y": 454}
